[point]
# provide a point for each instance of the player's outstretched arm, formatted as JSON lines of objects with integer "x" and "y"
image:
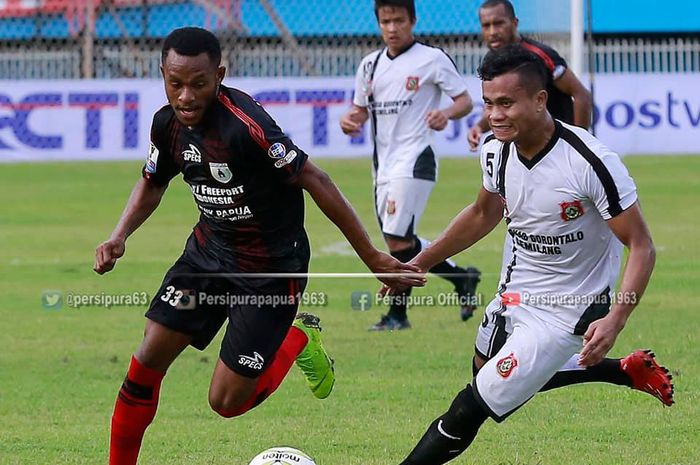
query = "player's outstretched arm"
{"x": 630, "y": 227}
{"x": 336, "y": 207}
{"x": 470, "y": 225}
{"x": 143, "y": 200}
{"x": 352, "y": 121}
{"x": 583, "y": 102}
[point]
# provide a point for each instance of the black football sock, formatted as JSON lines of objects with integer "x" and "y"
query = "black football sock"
{"x": 451, "y": 434}
{"x": 397, "y": 310}
{"x": 607, "y": 371}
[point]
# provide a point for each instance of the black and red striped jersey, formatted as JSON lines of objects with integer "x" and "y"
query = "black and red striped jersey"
{"x": 239, "y": 166}
{"x": 559, "y": 104}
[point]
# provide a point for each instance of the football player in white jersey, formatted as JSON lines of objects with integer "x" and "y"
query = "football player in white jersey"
{"x": 400, "y": 87}
{"x": 569, "y": 205}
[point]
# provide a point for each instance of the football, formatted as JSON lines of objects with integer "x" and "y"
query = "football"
{"x": 282, "y": 456}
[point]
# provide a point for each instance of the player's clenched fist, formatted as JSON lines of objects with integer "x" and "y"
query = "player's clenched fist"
{"x": 107, "y": 253}
{"x": 437, "y": 120}
{"x": 352, "y": 121}
{"x": 474, "y": 137}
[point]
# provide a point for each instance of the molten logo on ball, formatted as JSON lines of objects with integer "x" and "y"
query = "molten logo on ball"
{"x": 282, "y": 456}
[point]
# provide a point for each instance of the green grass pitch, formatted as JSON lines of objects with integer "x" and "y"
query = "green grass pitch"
{"x": 60, "y": 369}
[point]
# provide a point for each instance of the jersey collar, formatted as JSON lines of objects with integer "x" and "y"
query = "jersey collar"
{"x": 402, "y": 51}
{"x": 529, "y": 164}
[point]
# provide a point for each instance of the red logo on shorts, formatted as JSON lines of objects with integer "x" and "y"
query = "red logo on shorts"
{"x": 391, "y": 206}
{"x": 505, "y": 366}
{"x": 412, "y": 83}
{"x": 571, "y": 210}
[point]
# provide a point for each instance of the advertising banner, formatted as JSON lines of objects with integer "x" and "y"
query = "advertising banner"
{"x": 110, "y": 119}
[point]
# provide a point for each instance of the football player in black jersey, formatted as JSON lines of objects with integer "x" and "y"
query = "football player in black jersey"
{"x": 568, "y": 100}
{"x": 248, "y": 255}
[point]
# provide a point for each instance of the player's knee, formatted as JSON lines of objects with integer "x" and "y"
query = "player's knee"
{"x": 224, "y": 408}
{"x": 227, "y": 405}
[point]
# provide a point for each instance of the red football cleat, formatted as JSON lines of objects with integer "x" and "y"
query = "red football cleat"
{"x": 648, "y": 376}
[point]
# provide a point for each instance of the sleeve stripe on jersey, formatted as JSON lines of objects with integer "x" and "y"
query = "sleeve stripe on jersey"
{"x": 254, "y": 129}
{"x": 443, "y": 51}
{"x": 540, "y": 53}
{"x": 600, "y": 169}
{"x": 505, "y": 151}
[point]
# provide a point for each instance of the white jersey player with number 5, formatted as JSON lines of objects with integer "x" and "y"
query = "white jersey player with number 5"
{"x": 569, "y": 204}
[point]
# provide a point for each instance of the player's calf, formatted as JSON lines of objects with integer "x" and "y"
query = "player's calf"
{"x": 134, "y": 410}
{"x": 451, "y": 434}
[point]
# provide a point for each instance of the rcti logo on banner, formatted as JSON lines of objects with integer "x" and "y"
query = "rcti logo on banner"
{"x": 40, "y": 120}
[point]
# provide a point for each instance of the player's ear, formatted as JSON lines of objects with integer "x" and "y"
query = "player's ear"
{"x": 541, "y": 98}
{"x": 220, "y": 73}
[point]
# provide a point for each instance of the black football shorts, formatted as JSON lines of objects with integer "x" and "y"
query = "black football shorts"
{"x": 196, "y": 299}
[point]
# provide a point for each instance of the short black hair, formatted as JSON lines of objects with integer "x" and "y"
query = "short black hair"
{"x": 191, "y": 41}
{"x": 513, "y": 58}
{"x": 408, "y": 4}
{"x": 506, "y": 4}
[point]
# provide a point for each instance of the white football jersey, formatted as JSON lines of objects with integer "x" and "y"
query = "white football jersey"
{"x": 399, "y": 92}
{"x": 565, "y": 259}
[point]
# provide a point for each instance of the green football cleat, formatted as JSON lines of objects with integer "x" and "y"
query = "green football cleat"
{"x": 314, "y": 361}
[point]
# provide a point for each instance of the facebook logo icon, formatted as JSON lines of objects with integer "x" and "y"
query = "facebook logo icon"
{"x": 361, "y": 300}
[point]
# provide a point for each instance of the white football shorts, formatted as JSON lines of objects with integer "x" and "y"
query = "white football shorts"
{"x": 525, "y": 352}
{"x": 400, "y": 203}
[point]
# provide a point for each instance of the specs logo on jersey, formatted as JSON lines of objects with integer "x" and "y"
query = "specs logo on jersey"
{"x": 412, "y": 83}
{"x": 152, "y": 162}
{"x": 255, "y": 362}
{"x": 192, "y": 154}
{"x": 571, "y": 210}
{"x": 277, "y": 150}
{"x": 221, "y": 172}
{"x": 506, "y": 365}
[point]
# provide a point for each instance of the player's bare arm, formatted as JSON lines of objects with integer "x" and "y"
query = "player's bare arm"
{"x": 583, "y": 102}
{"x": 468, "y": 227}
{"x": 352, "y": 121}
{"x": 461, "y": 106}
{"x": 336, "y": 207}
{"x": 630, "y": 227}
{"x": 144, "y": 199}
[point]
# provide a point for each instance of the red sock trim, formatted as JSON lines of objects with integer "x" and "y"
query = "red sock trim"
{"x": 141, "y": 374}
{"x": 295, "y": 341}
